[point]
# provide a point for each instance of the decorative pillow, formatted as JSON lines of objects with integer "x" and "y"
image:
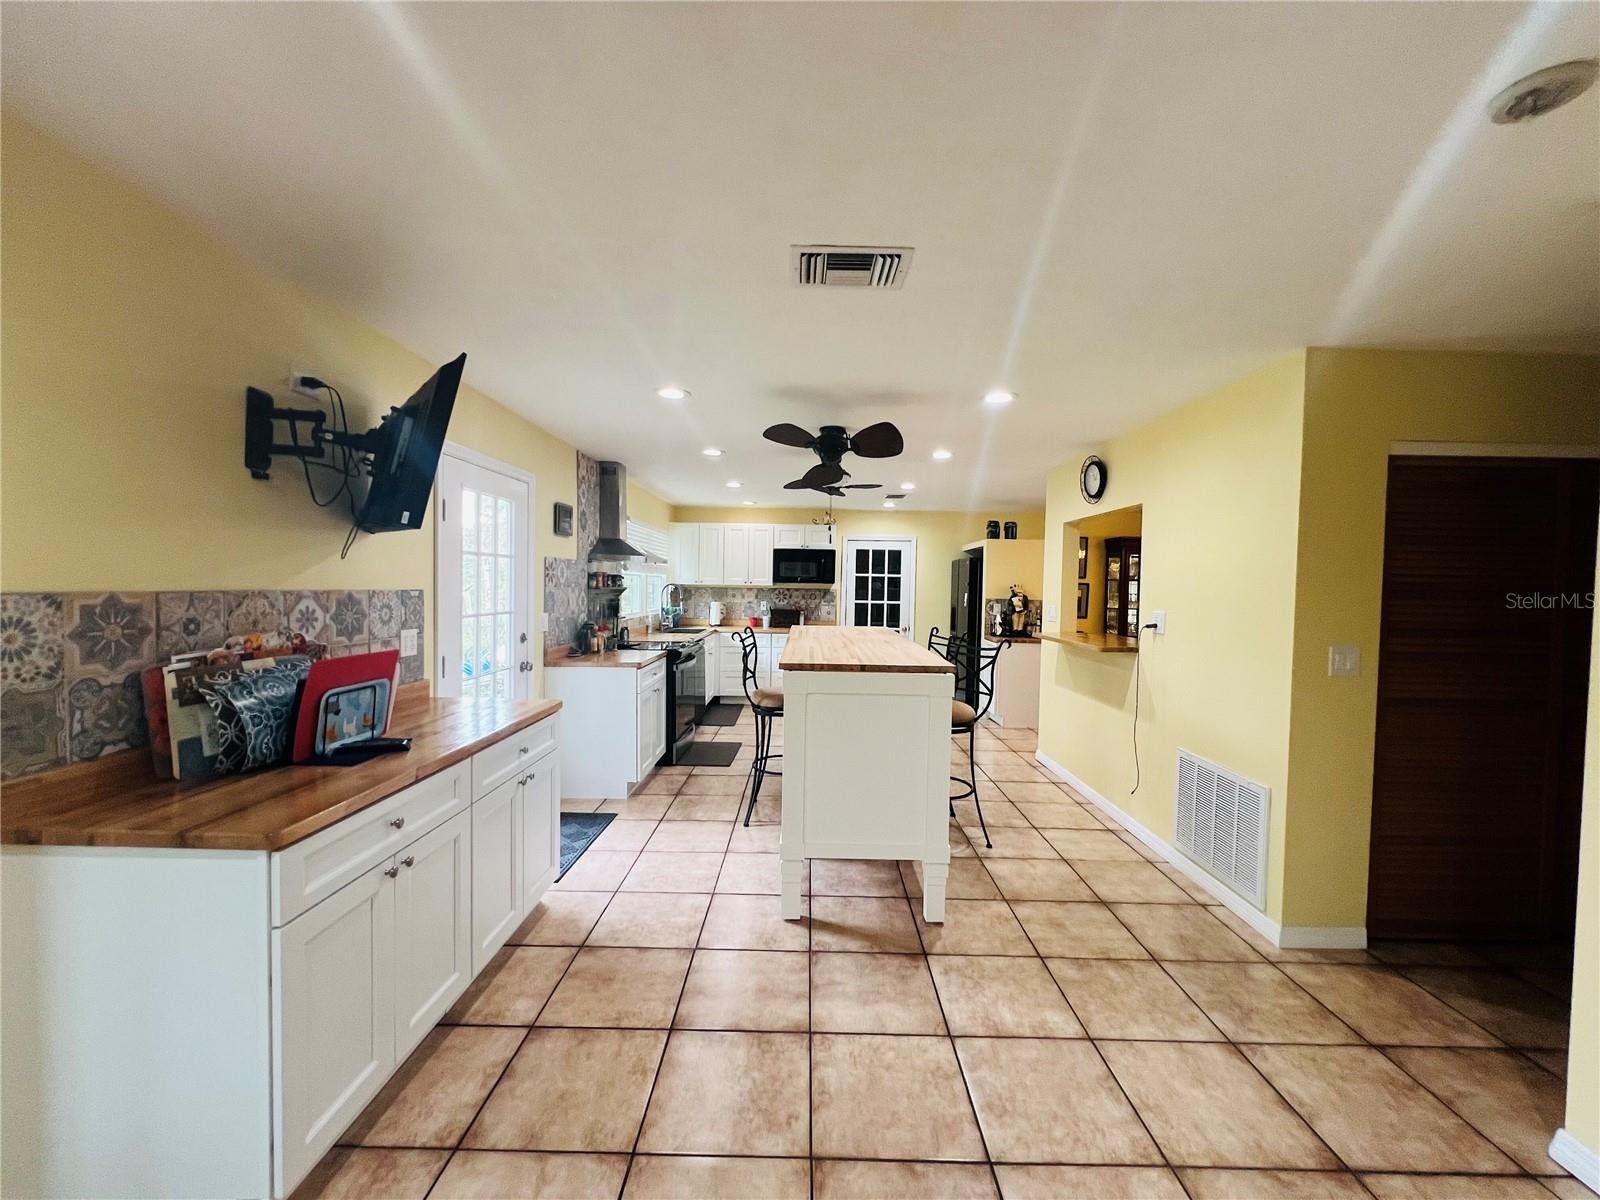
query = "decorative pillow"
{"x": 255, "y": 714}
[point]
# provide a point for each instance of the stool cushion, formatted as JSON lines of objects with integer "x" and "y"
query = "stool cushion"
{"x": 962, "y": 713}
{"x": 769, "y": 697}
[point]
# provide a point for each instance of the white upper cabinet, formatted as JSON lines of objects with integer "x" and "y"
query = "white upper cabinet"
{"x": 760, "y": 555}
{"x": 712, "y": 540}
{"x": 736, "y": 554}
{"x": 818, "y": 537}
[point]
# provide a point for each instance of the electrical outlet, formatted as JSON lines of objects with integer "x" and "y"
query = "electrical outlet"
{"x": 1158, "y": 622}
{"x": 544, "y": 622}
{"x": 408, "y": 642}
{"x": 297, "y": 385}
{"x": 1344, "y": 661}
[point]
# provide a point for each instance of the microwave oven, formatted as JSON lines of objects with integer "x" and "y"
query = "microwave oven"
{"x": 791, "y": 567}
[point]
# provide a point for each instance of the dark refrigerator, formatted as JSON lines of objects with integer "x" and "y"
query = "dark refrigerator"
{"x": 966, "y": 615}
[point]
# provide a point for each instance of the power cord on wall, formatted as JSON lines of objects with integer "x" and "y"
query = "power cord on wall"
{"x": 348, "y": 463}
{"x": 1137, "y": 665}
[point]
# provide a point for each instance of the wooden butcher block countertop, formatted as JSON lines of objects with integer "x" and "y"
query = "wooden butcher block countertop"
{"x": 118, "y": 801}
{"x": 835, "y": 648}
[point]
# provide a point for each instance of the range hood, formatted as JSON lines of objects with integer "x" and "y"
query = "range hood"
{"x": 612, "y": 546}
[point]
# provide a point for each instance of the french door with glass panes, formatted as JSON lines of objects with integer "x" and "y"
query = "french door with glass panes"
{"x": 880, "y": 583}
{"x": 484, "y": 546}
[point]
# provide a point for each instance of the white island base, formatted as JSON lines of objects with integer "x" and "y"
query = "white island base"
{"x": 866, "y": 756}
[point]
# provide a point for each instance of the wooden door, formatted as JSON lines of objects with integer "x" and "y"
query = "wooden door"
{"x": 484, "y": 549}
{"x": 433, "y": 929}
{"x": 1482, "y": 691}
{"x": 333, "y": 1012}
{"x": 880, "y": 583}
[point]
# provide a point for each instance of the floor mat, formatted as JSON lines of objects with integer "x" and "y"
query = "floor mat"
{"x": 710, "y": 754}
{"x": 722, "y": 714}
{"x": 578, "y": 832}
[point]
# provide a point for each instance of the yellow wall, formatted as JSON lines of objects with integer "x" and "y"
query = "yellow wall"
{"x": 128, "y": 339}
{"x": 940, "y": 536}
{"x": 1218, "y": 482}
{"x": 644, "y": 505}
{"x": 1358, "y": 403}
{"x": 1583, "y": 1053}
{"x": 1018, "y": 561}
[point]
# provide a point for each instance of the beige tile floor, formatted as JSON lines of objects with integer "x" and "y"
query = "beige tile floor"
{"x": 1084, "y": 1024}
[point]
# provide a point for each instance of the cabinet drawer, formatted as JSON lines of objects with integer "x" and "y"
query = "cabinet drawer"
{"x": 314, "y": 869}
{"x": 652, "y": 675}
{"x": 507, "y": 757}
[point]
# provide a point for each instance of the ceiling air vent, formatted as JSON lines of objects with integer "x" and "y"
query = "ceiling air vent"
{"x": 851, "y": 266}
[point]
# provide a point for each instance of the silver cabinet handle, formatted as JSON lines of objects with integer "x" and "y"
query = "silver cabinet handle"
{"x": 391, "y": 872}
{"x": 408, "y": 861}
{"x": 398, "y": 822}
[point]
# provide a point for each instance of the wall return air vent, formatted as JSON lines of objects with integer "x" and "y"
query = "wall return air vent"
{"x": 850, "y": 266}
{"x": 1222, "y": 825}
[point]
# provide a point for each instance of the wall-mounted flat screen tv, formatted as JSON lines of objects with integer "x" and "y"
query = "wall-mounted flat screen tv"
{"x": 406, "y": 455}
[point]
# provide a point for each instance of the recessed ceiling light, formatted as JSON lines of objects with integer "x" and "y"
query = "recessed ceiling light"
{"x": 711, "y": 452}
{"x": 888, "y": 503}
{"x": 734, "y": 483}
{"x": 749, "y": 503}
{"x": 941, "y": 455}
{"x": 998, "y": 396}
{"x": 908, "y": 487}
{"x": 672, "y": 392}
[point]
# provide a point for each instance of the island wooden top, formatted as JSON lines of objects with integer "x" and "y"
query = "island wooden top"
{"x": 1101, "y": 643}
{"x": 557, "y": 656}
{"x": 832, "y": 648}
{"x": 118, "y": 801}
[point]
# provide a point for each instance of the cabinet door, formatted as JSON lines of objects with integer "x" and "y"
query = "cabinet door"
{"x": 432, "y": 929}
{"x": 774, "y": 675}
{"x": 685, "y": 553}
{"x": 652, "y": 729}
{"x": 496, "y": 889}
{"x": 731, "y": 665}
{"x": 760, "y": 569}
{"x": 789, "y": 537}
{"x": 540, "y": 828}
{"x": 660, "y": 690}
{"x": 710, "y": 655}
{"x": 736, "y": 554}
{"x": 711, "y": 564}
{"x": 333, "y": 1018}
{"x": 819, "y": 537}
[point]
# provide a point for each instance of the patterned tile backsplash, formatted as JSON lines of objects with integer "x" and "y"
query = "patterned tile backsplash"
{"x": 818, "y": 604}
{"x": 70, "y": 662}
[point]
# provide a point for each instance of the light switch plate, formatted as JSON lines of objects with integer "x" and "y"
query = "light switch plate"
{"x": 1344, "y": 660}
{"x": 1052, "y": 613}
{"x": 408, "y": 643}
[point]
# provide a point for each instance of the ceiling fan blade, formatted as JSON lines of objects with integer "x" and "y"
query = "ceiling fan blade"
{"x": 824, "y": 475}
{"x": 795, "y": 485}
{"x": 863, "y": 485}
{"x": 788, "y": 435}
{"x": 882, "y": 440}
{"x": 832, "y": 491}
{"x": 895, "y": 496}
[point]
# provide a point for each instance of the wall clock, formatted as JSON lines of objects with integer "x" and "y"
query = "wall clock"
{"x": 1092, "y": 479}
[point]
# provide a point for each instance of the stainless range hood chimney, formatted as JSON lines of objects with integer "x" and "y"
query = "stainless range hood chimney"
{"x": 612, "y": 546}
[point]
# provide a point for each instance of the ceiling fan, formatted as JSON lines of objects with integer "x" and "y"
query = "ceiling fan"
{"x": 831, "y": 444}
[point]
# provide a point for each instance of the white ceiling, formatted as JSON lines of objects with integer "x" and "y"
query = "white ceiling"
{"x": 1113, "y": 206}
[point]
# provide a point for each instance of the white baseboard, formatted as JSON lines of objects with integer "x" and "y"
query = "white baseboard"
{"x": 1295, "y": 937}
{"x": 1572, "y": 1154}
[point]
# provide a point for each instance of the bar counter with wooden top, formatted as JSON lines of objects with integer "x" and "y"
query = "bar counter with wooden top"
{"x": 866, "y": 757}
{"x": 206, "y": 983}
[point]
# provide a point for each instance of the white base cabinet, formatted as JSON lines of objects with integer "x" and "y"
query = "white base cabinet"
{"x": 619, "y": 716}
{"x": 188, "y": 1023}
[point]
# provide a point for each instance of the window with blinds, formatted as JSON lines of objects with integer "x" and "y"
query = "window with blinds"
{"x": 643, "y": 582}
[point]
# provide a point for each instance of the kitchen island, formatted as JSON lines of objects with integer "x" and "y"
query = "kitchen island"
{"x": 866, "y": 758}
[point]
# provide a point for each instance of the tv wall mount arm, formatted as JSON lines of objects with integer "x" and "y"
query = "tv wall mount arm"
{"x": 261, "y": 411}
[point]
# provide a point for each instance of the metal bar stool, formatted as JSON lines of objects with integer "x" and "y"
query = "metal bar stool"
{"x": 975, "y": 664}
{"x": 765, "y": 703}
